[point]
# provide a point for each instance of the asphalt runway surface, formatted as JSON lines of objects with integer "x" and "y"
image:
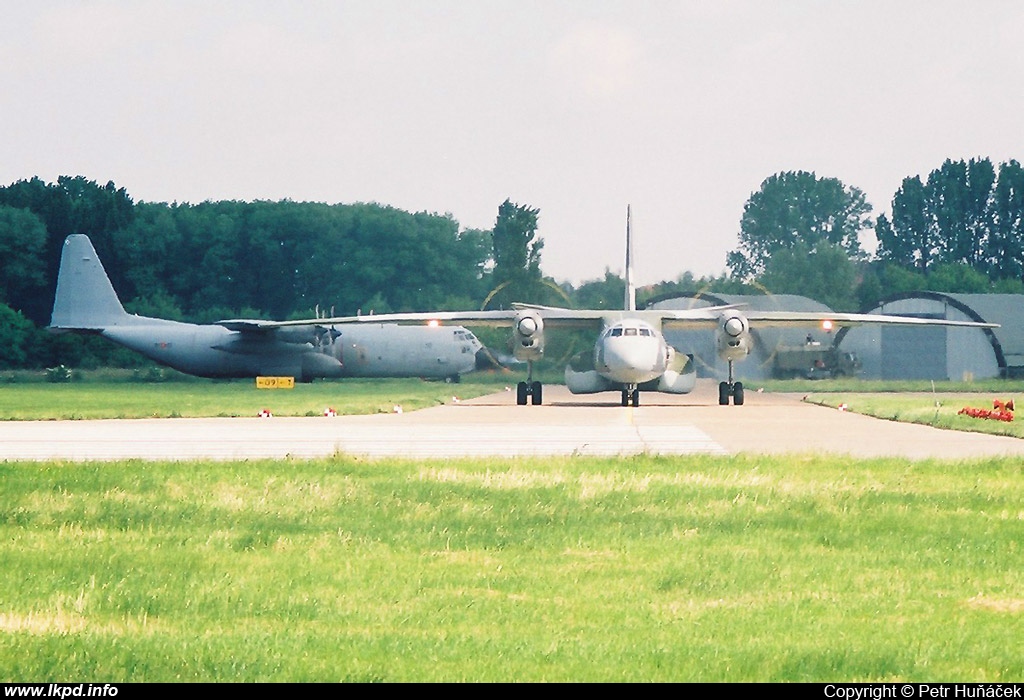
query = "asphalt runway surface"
{"x": 494, "y": 426}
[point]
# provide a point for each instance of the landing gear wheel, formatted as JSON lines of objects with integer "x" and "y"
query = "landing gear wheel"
{"x": 536, "y": 393}
{"x": 636, "y": 399}
{"x": 521, "y": 392}
{"x": 723, "y": 393}
{"x": 737, "y": 394}
{"x": 625, "y": 397}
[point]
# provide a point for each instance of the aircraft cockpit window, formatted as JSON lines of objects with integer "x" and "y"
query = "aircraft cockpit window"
{"x": 645, "y": 331}
{"x": 631, "y": 331}
{"x": 616, "y": 331}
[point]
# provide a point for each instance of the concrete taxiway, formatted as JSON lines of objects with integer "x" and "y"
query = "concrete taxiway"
{"x": 494, "y": 426}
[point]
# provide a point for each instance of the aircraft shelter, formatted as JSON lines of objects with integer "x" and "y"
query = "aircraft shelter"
{"x": 942, "y": 353}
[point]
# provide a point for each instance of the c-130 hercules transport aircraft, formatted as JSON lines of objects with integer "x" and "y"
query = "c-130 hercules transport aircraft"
{"x": 631, "y": 354}
{"x": 86, "y": 302}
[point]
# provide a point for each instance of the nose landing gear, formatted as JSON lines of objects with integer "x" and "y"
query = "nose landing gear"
{"x": 631, "y": 395}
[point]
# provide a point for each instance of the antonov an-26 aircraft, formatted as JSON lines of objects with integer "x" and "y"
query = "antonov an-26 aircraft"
{"x": 86, "y": 302}
{"x": 631, "y": 354}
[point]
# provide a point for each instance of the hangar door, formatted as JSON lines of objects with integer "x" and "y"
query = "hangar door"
{"x": 914, "y": 353}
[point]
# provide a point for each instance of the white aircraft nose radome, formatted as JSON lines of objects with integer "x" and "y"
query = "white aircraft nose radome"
{"x": 631, "y": 359}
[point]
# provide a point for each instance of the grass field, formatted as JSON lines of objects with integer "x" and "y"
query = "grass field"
{"x": 941, "y": 410}
{"x": 194, "y": 399}
{"x": 639, "y": 569}
{"x": 114, "y": 394}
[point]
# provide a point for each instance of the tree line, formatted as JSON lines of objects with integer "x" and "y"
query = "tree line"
{"x": 213, "y": 260}
{"x": 958, "y": 230}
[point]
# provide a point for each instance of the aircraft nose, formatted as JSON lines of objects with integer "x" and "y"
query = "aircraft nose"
{"x": 631, "y": 361}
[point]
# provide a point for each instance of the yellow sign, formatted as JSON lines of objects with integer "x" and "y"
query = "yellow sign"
{"x": 275, "y": 382}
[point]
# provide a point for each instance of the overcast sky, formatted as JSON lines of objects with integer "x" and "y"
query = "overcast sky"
{"x": 680, "y": 108}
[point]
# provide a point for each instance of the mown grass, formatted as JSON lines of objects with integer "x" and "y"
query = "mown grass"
{"x": 122, "y": 394}
{"x": 940, "y": 410}
{"x": 888, "y": 386}
{"x": 659, "y": 569}
{"x": 204, "y": 398}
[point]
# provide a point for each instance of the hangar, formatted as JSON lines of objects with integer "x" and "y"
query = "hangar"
{"x": 767, "y": 341}
{"x": 960, "y": 354}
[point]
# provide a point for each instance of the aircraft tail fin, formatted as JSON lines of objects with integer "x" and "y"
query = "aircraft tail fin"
{"x": 630, "y": 302}
{"x": 85, "y": 299}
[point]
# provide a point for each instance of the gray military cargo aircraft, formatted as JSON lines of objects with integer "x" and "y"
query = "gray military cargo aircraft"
{"x": 86, "y": 302}
{"x": 631, "y": 354}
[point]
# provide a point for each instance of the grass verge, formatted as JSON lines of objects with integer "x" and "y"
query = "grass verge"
{"x": 204, "y": 398}
{"x": 639, "y": 569}
{"x": 940, "y": 410}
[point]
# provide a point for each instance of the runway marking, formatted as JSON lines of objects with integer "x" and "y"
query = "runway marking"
{"x": 373, "y": 436}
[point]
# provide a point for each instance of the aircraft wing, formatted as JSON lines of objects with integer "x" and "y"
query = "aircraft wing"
{"x": 478, "y": 318}
{"x": 808, "y": 318}
{"x": 804, "y": 319}
{"x": 553, "y": 317}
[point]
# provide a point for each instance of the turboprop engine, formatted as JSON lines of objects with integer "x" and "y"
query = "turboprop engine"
{"x": 528, "y": 336}
{"x": 732, "y": 338}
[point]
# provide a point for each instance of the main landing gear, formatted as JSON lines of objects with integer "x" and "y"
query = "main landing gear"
{"x": 532, "y": 390}
{"x": 529, "y": 389}
{"x": 631, "y": 395}
{"x": 730, "y": 389}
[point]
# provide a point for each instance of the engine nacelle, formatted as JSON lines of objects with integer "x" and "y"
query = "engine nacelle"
{"x": 300, "y": 335}
{"x": 528, "y": 336}
{"x": 732, "y": 339}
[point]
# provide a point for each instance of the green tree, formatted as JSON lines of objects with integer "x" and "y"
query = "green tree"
{"x": 958, "y": 278}
{"x": 71, "y": 205}
{"x": 16, "y": 338}
{"x": 1004, "y": 254}
{"x": 910, "y": 241}
{"x": 960, "y": 215}
{"x": 825, "y": 274}
{"x": 794, "y": 208}
{"x": 962, "y": 192}
{"x": 606, "y": 293}
{"x": 896, "y": 280}
{"x": 516, "y": 254}
{"x": 22, "y": 249}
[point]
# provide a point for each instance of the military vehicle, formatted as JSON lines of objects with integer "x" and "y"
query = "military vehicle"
{"x": 813, "y": 361}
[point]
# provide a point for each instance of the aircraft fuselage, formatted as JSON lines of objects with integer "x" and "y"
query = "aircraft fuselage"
{"x": 378, "y": 350}
{"x": 630, "y": 355}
